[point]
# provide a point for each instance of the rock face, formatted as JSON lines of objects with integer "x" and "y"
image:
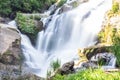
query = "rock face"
{"x": 9, "y": 46}
{"x": 11, "y": 57}
{"x": 10, "y": 52}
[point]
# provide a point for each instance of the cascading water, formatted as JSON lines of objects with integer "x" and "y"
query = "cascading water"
{"x": 64, "y": 34}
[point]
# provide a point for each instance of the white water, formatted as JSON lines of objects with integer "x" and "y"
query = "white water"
{"x": 110, "y": 60}
{"x": 64, "y": 34}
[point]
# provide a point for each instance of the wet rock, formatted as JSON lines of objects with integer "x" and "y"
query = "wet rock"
{"x": 105, "y": 60}
{"x": 11, "y": 72}
{"x": 11, "y": 56}
{"x": 98, "y": 55}
{"x": 67, "y": 68}
{"x": 109, "y": 59}
{"x": 93, "y": 50}
{"x": 4, "y": 20}
{"x": 12, "y": 15}
{"x": 86, "y": 65}
{"x": 89, "y": 64}
{"x": 70, "y": 5}
{"x": 75, "y": 3}
{"x": 39, "y": 25}
{"x": 65, "y": 8}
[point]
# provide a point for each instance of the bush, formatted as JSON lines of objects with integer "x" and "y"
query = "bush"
{"x": 26, "y": 25}
{"x": 5, "y": 8}
{"x": 116, "y": 46}
{"x": 26, "y": 6}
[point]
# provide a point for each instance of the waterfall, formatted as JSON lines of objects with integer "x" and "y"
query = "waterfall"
{"x": 64, "y": 33}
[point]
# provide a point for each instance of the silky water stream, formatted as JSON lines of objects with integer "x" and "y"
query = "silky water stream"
{"x": 64, "y": 33}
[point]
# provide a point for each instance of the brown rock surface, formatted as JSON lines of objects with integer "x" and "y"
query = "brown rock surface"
{"x": 10, "y": 50}
{"x": 11, "y": 57}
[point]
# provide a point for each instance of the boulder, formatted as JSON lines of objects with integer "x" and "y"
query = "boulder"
{"x": 67, "y": 68}
{"x": 39, "y": 25}
{"x": 10, "y": 51}
{"x": 11, "y": 56}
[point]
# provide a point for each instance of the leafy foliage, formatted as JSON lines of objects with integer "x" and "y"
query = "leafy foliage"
{"x": 55, "y": 64}
{"x": 90, "y": 74}
{"x": 30, "y": 5}
{"x": 5, "y": 7}
{"x": 26, "y": 25}
{"x": 116, "y": 45}
{"x": 105, "y": 36}
{"x": 26, "y": 6}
